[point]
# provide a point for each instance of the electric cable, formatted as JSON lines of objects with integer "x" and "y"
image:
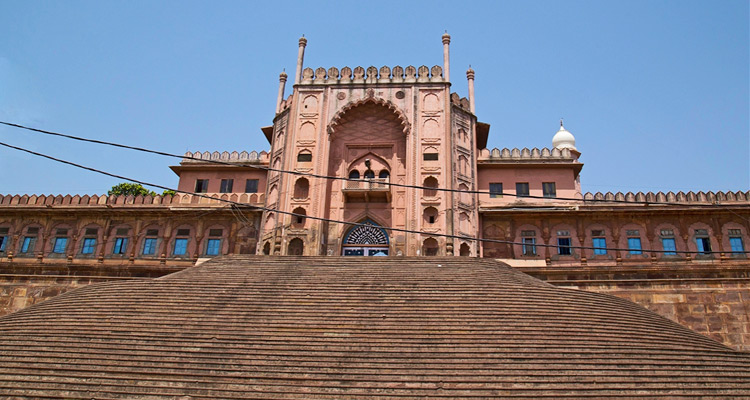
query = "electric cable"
{"x": 393, "y": 229}
{"x": 312, "y": 175}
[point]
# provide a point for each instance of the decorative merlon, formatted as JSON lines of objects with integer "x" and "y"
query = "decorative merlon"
{"x": 459, "y": 101}
{"x": 526, "y": 154}
{"x": 225, "y": 156}
{"x": 123, "y": 201}
{"x": 671, "y": 197}
{"x": 371, "y": 75}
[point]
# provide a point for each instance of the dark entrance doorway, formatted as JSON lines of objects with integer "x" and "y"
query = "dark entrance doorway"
{"x": 368, "y": 239}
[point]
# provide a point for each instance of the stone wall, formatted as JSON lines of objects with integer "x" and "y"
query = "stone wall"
{"x": 711, "y": 299}
{"x": 22, "y": 285}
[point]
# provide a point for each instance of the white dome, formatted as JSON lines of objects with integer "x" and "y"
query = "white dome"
{"x": 564, "y": 139}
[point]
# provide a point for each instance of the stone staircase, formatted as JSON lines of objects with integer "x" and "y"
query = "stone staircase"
{"x": 255, "y": 327}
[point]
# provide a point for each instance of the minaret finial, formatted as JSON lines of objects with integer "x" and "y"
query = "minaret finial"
{"x": 561, "y": 122}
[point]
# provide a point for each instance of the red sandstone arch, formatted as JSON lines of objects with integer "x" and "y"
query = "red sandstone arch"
{"x": 338, "y": 117}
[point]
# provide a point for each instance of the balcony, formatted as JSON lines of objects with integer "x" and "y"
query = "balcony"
{"x": 374, "y": 190}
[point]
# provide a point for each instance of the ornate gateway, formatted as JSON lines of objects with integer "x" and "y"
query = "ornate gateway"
{"x": 366, "y": 240}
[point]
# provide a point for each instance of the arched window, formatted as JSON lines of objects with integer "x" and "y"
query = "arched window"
{"x": 430, "y": 215}
{"x": 296, "y": 247}
{"x": 267, "y": 248}
{"x": 430, "y": 182}
{"x": 464, "y": 197}
{"x": 384, "y": 174}
{"x": 354, "y": 174}
{"x": 304, "y": 156}
{"x": 464, "y": 222}
{"x": 270, "y": 222}
{"x": 301, "y": 188}
{"x": 430, "y": 247}
{"x": 464, "y": 250}
{"x": 369, "y": 174}
{"x": 298, "y": 220}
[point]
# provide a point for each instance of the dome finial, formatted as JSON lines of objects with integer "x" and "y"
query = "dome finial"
{"x": 563, "y": 138}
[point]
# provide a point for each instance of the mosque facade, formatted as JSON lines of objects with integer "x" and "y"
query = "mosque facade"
{"x": 388, "y": 162}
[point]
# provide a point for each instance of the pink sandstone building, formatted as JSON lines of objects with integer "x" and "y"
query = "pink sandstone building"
{"x": 389, "y": 162}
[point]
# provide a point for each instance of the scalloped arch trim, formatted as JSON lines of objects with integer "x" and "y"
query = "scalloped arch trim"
{"x": 336, "y": 120}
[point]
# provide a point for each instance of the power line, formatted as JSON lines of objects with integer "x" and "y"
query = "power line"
{"x": 403, "y": 230}
{"x": 298, "y": 173}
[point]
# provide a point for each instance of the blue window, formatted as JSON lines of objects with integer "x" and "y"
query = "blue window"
{"x": 180, "y": 247}
{"x": 600, "y": 245}
{"x": 149, "y": 246}
{"x": 28, "y": 244}
{"x": 669, "y": 247}
{"x": 60, "y": 244}
{"x": 703, "y": 244}
{"x": 736, "y": 244}
{"x": 213, "y": 247}
{"x": 563, "y": 246}
{"x": 89, "y": 245}
{"x": 634, "y": 245}
{"x": 529, "y": 246}
{"x": 121, "y": 245}
{"x": 3, "y": 240}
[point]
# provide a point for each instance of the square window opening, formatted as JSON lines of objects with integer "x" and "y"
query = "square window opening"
{"x": 213, "y": 247}
{"x": 201, "y": 186}
{"x": 496, "y": 190}
{"x": 180, "y": 247}
{"x": 226, "y": 185}
{"x": 251, "y": 186}
{"x": 89, "y": 245}
{"x": 563, "y": 246}
{"x": 549, "y": 189}
{"x": 522, "y": 189}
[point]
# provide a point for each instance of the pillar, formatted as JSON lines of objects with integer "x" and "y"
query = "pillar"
{"x": 446, "y": 57}
{"x": 300, "y": 58}
{"x": 282, "y": 84}
{"x": 470, "y": 78}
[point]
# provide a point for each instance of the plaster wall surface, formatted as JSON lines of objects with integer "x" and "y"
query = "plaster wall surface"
{"x": 214, "y": 175}
{"x": 563, "y": 177}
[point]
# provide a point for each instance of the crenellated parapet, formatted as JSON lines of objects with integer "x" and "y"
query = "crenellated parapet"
{"x": 671, "y": 197}
{"x": 516, "y": 154}
{"x": 238, "y": 157}
{"x": 372, "y": 75}
{"x": 127, "y": 201}
{"x": 285, "y": 103}
{"x": 461, "y": 102}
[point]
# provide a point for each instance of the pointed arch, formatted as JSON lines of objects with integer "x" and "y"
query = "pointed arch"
{"x": 369, "y": 233}
{"x": 338, "y": 117}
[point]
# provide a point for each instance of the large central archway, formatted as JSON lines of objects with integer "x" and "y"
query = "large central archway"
{"x": 368, "y": 239}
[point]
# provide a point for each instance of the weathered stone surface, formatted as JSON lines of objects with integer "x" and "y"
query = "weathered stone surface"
{"x": 713, "y": 300}
{"x": 340, "y": 328}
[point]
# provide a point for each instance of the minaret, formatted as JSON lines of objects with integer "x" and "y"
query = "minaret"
{"x": 300, "y": 58}
{"x": 282, "y": 84}
{"x": 446, "y": 57}
{"x": 470, "y": 78}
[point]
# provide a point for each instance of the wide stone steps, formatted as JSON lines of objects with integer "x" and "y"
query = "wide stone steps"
{"x": 341, "y": 328}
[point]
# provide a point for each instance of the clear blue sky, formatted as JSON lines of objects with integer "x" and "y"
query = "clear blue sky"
{"x": 656, "y": 92}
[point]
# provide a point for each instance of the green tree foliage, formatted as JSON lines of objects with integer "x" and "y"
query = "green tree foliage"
{"x": 135, "y": 189}
{"x": 127, "y": 189}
